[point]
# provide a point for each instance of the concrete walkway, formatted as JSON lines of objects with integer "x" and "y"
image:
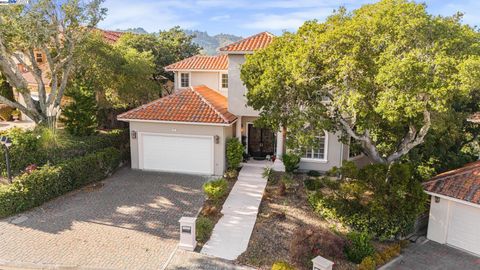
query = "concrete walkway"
{"x": 231, "y": 234}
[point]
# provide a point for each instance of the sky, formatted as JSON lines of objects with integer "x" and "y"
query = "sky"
{"x": 247, "y": 17}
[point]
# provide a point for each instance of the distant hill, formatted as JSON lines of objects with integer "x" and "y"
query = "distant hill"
{"x": 137, "y": 30}
{"x": 211, "y": 44}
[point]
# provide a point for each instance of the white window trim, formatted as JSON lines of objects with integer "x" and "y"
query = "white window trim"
{"x": 180, "y": 80}
{"x": 325, "y": 151}
{"x": 221, "y": 80}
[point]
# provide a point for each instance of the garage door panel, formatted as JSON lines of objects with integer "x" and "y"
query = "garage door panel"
{"x": 464, "y": 227}
{"x": 172, "y": 153}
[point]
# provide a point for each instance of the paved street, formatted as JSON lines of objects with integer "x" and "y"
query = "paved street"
{"x": 129, "y": 221}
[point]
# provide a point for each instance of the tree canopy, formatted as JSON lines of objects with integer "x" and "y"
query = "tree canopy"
{"x": 378, "y": 74}
{"x": 53, "y": 29}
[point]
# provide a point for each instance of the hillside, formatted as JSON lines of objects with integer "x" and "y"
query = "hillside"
{"x": 210, "y": 44}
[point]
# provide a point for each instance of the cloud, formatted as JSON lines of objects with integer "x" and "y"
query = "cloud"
{"x": 286, "y": 21}
{"x": 220, "y": 18}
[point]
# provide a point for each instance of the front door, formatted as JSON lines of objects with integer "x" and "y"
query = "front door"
{"x": 261, "y": 141}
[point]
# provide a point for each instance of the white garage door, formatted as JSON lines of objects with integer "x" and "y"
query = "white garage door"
{"x": 464, "y": 227}
{"x": 175, "y": 153}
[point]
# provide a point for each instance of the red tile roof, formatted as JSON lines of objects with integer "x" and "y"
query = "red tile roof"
{"x": 475, "y": 118}
{"x": 111, "y": 36}
{"x": 198, "y": 104}
{"x": 462, "y": 184}
{"x": 255, "y": 42}
{"x": 201, "y": 62}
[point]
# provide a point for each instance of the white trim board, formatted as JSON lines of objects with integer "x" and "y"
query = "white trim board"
{"x": 176, "y": 122}
{"x": 452, "y": 199}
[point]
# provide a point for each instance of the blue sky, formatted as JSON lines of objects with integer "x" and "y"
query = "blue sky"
{"x": 246, "y": 17}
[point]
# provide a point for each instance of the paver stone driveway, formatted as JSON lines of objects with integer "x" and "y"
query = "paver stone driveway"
{"x": 128, "y": 221}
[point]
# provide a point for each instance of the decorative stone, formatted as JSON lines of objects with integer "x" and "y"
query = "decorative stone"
{"x": 320, "y": 263}
{"x": 188, "y": 233}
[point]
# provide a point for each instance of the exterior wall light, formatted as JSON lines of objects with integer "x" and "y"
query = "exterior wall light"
{"x": 217, "y": 139}
{"x": 6, "y": 142}
{"x": 437, "y": 199}
{"x": 133, "y": 134}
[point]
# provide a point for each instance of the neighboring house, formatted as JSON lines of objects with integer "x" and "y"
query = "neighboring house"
{"x": 455, "y": 208}
{"x": 474, "y": 118}
{"x": 187, "y": 131}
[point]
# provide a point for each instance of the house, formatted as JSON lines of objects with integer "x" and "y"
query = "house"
{"x": 474, "y": 118}
{"x": 455, "y": 208}
{"x": 186, "y": 132}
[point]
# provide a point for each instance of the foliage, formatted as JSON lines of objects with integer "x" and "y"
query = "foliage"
{"x": 5, "y": 112}
{"x": 383, "y": 201}
{"x": 204, "y": 227}
{"x": 368, "y": 263}
{"x": 41, "y": 185}
{"x": 79, "y": 115}
{"x": 231, "y": 174}
{"x": 166, "y": 47}
{"x": 314, "y": 173}
{"x": 313, "y": 184}
{"x": 216, "y": 189}
{"x": 6, "y": 90}
{"x": 358, "y": 247}
{"x": 268, "y": 174}
{"x": 388, "y": 70}
{"x": 291, "y": 162}
{"x": 282, "y": 266}
{"x": 287, "y": 180}
{"x": 36, "y": 147}
{"x": 54, "y": 30}
{"x": 119, "y": 75}
{"x": 309, "y": 242}
{"x": 234, "y": 153}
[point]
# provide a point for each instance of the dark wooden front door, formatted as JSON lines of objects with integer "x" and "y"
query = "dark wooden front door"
{"x": 261, "y": 141}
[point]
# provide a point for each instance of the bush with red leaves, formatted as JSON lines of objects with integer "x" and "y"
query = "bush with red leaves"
{"x": 309, "y": 242}
{"x": 30, "y": 168}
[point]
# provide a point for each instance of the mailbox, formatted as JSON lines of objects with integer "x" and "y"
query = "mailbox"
{"x": 187, "y": 233}
{"x": 320, "y": 263}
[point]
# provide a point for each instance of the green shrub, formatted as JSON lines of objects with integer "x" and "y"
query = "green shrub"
{"x": 33, "y": 189}
{"x": 36, "y": 147}
{"x": 291, "y": 162}
{"x": 358, "y": 247}
{"x": 234, "y": 153}
{"x": 5, "y": 112}
{"x": 287, "y": 179}
{"x": 313, "y": 173}
{"x": 268, "y": 174}
{"x": 79, "y": 116}
{"x": 368, "y": 263}
{"x": 231, "y": 174}
{"x": 282, "y": 266}
{"x": 377, "y": 200}
{"x": 204, "y": 227}
{"x": 216, "y": 189}
{"x": 312, "y": 184}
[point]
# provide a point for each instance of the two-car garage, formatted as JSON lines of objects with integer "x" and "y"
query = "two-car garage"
{"x": 176, "y": 153}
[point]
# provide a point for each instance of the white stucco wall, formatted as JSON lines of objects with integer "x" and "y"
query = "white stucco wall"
{"x": 185, "y": 129}
{"x": 210, "y": 79}
{"x": 438, "y": 220}
{"x": 236, "y": 89}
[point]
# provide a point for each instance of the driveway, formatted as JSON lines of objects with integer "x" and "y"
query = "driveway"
{"x": 128, "y": 221}
{"x": 429, "y": 255}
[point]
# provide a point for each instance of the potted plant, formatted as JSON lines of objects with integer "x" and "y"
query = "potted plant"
{"x": 16, "y": 115}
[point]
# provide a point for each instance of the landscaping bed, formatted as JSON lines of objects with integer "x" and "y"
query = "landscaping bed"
{"x": 287, "y": 224}
{"x": 210, "y": 213}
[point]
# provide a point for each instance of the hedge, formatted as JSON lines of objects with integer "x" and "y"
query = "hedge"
{"x": 29, "y": 149}
{"x": 33, "y": 189}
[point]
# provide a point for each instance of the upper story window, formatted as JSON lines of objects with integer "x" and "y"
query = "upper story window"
{"x": 319, "y": 149}
{"x": 184, "y": 79}
{"x": 224, "y": 80}
{"x": 39, "y": 57}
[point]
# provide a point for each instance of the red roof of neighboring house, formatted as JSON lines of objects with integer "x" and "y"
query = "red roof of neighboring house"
{"x": 111, "y": 36}
{"x": 197, "y": 104}
{"x": 255, "y": 42}
{"x": 201, "y": 62}
{"x": 462, "y": 184}
{"x": 475, "y": 118}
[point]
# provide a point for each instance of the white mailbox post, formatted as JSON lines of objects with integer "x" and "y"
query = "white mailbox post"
{"x": 187, "y": 233}
{"x": 320, "y": 263}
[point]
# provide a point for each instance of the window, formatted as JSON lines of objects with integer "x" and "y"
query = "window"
{"x": 319, "y": 151}
{"x": 184, "y": 79}
{"x": 355, "y": 148}
{"x": 224, "y": 80}
{"x": 39, "y": 57}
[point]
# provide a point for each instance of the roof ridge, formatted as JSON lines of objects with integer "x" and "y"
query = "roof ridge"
{"x": 208, "y": 102}
{"x": 151, "y": 103}
{"x": 243, "y": 39}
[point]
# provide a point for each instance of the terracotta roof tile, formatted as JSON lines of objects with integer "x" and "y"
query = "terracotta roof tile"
{"x": 255, "y": 42}
{"x": 462, "y": 184}
{"x": 111, "y": 36}
{"x": 201, "y": 62}
{"x": 475, "y": 118}
{"x": 198, "y": 104}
